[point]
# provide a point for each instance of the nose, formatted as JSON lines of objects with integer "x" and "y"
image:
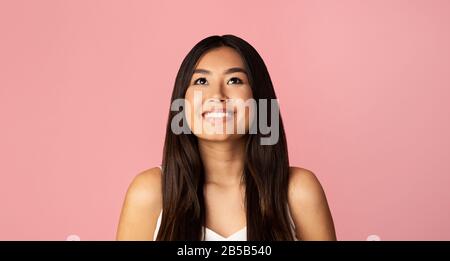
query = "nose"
{"x": 219, "y": 99}
{"x": 218, "y": 95}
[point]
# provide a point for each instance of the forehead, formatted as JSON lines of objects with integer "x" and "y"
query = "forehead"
{"x": 220, "y": 58}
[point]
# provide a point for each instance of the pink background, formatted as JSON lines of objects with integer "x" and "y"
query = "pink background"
{"x": 364, "y": 88}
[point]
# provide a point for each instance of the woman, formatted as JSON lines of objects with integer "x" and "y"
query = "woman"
{"x": 216, "y": 182}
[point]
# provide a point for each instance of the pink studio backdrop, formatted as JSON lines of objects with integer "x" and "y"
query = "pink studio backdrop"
{"x": 364, "y": 88}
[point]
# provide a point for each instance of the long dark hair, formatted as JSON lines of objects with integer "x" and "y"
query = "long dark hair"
{"x": 266, "y": 167}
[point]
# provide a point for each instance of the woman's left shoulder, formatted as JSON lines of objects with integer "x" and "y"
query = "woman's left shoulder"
{"x": 304, "y": 185}
{"x": 309, "y": 207}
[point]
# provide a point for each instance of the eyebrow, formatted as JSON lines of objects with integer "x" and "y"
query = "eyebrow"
{"x": 228, "y": 71}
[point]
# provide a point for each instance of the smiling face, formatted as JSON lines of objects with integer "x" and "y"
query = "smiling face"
{"x": 216, "y": 96}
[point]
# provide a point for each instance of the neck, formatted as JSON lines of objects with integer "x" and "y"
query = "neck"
{"x": 223, "y": 161}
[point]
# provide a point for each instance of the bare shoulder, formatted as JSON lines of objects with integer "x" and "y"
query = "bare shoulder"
{"x": 303, "y": 184}
{"x": 146, "y": 187}
{"x": 141, "y": 206}
{"x": 308, "y": 206}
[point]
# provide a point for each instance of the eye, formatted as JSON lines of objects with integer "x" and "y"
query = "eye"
{"x": 234, "y": 80}
{"x": 200, "y": 81}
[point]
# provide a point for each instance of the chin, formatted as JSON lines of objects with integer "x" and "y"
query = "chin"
{"x": 219, "y": 137}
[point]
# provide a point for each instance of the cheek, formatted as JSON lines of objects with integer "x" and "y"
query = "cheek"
{"x": 241, "y": 93}
{"x": 245, "y": 113}
{"x": 193, "y": 106}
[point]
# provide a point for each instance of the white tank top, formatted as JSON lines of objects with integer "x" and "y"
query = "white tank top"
{"x": 211, "y": 235}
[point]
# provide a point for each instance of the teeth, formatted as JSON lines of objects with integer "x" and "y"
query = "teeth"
{"x": 217, "y": 114}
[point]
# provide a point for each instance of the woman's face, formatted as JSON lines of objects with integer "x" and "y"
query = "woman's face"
{"x": 217, "y": 94}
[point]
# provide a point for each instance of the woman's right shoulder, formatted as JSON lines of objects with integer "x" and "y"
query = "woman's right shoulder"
{"x": 146, "y": 186}
{"x": 141, "y": 207}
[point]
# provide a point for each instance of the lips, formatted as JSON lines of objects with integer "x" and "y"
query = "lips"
{"x": 217, "y": 114}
